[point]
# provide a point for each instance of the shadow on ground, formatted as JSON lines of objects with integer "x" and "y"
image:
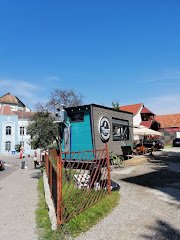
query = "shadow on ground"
{"x": 162, "y": 231}
{"x": 36, "y": 175}
{"x": 161, "y": 177}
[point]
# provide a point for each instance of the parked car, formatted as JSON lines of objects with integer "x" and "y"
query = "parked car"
{"x": 176, "y": 142}
{"x": 153, "y": 143}
{"x": 2, "y": 166}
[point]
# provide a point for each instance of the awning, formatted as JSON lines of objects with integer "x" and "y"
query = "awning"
{"x": 143, "y": 131}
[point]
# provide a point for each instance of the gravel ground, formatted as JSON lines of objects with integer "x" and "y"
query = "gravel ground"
{"x": 149, "y": 207}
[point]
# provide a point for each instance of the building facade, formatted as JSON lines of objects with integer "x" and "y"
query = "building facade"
{"x": 169, "y": 127}
{"x": 142, "y": 116}
{"x": 14, "y": 119}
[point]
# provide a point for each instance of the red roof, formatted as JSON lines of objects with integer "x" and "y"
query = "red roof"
{"x": 168, "y": 121}
{"x": 22, "y": 114}
{"x": 6, "y": 110}
{"x": 146, "y": 123}
{"x": 133, "y": 108}
{"x": 146, "y": 110}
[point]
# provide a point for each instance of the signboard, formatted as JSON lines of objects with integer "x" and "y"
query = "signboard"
{"x": 104, "y": 129}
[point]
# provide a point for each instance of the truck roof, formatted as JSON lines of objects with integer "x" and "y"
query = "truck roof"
{"x": 96, "y": 105}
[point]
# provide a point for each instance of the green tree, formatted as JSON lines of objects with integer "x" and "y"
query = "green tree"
{"x": 115, "y": 105}
{"x": 42, "y": 130}
{"x": 17, "y": 147}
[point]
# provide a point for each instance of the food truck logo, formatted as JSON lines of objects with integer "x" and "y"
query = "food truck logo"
{"x": 104, "y": 129}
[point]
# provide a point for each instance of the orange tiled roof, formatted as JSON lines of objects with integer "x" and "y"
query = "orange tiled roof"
{"x": 146, "y": 110}
{"x": 133, "y": 108}
{"x": 167, "y": 121}
{"x": 9, "y": 99}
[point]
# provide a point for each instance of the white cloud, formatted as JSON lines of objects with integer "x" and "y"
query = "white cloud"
{"x": 27, "y": 92}
{"x": 164, "y": 104}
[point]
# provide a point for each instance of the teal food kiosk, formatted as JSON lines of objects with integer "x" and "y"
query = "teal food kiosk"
{"x": 89, "y": 127}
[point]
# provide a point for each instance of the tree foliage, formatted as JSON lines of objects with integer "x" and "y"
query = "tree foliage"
{"x": 17, "y": 147}
{"x": 115, "y": 105}
{"x": 42, "y": 129}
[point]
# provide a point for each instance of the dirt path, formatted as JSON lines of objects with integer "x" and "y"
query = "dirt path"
{"x": 150, "y": 203}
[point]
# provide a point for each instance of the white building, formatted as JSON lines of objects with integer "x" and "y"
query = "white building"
{"x": 14, "y": 119}
{"x": 142, "y": 116}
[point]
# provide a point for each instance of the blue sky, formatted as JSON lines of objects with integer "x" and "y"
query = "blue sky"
{"x": 107, "y": 50}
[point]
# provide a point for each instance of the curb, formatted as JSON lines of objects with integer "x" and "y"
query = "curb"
{"x": 52, "y": 213}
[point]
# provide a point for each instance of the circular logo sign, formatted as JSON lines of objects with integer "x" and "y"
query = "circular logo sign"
{"x": 104, "y": 129}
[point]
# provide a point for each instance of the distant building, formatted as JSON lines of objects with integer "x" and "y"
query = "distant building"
{"x": 14, "y": 119}
{"x": 142, "y": 116}
{"x": 169, "y": 126}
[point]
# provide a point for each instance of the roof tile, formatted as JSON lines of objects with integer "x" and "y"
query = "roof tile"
{"x": 6, "y": 110}
{"x": 9, "y": 99}
{"x": 133, "y": 108}
{"x": 167, "y": 121}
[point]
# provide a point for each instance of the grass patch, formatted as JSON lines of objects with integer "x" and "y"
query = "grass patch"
{"x": 168, "y": 146}
{"x": 78, "y": 224}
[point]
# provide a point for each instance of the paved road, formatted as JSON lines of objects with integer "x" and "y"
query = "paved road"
{"x": 8, "y": 170}
{"x": 149, "y": 207}
{"x": 12, "y": 164}
{"x": 18, "y": 201}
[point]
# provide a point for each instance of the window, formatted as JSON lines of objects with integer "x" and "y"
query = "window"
{"x": 120, "y": 130}
{"x": 8, "y": 130}
{"x": 21, "y": 130}
{"x": 77, "y": 117}
{"x": 8, "y": 146}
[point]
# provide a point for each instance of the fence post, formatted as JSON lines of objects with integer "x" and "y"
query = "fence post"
{"x": 108, "y": 168}
{"x": 50, "y": 176}
{"x": 47, "y": 166}
{"x": 59, "y": 189}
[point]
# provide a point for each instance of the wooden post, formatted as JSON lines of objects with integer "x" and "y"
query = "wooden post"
{"x": 59, "y": 189}
{"x": 108, "y": 168}
{"x": 50, "y": 177}
{"x": 46, "y": 164}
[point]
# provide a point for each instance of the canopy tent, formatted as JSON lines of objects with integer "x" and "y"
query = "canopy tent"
{"x": 144, "y": 131}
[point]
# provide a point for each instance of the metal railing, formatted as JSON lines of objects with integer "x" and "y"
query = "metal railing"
{"x": 77, "y": 180}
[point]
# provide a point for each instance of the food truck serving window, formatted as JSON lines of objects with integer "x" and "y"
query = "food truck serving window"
{"x": 77, "y": 117}
{"x": 120, "y": 130}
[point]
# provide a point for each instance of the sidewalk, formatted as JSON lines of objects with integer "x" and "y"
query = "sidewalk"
{"x": 136, "y": 160}
{"x": 18, "y": 201}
